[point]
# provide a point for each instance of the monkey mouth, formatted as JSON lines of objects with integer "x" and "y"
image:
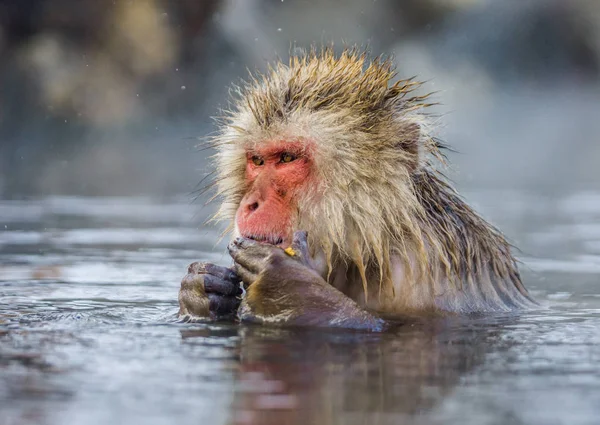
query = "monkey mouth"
{"x": 270, "y": 239}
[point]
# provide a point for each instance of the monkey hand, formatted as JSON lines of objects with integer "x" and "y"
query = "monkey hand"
{"x": 209, "y": 291}
{"x": 283, "y": 287}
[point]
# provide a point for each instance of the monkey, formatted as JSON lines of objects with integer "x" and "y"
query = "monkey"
{"x": 333, "y": 188}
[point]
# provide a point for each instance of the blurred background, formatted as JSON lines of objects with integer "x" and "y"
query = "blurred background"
{"x": 102, "y": 97}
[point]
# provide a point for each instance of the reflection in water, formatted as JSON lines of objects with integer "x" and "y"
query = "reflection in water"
{"x": 88, "y": 295}
{"x": 307, "y": 376}
{"x": 293, "y": 376}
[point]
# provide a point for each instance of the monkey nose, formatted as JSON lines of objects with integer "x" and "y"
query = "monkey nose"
{"x": 250, "y": 203}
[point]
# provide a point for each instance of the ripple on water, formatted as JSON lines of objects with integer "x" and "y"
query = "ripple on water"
{"x": 88, "y": 332}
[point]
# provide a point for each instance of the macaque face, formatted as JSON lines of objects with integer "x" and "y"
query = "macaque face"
{"x": 276, "y": 174}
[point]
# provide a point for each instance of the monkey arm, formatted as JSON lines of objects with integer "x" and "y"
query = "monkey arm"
{"x": 209, "y": 291}
{"x": 284, "y": 289}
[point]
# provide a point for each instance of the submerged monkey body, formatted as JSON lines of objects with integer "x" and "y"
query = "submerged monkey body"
{"x": 331, "y": 145}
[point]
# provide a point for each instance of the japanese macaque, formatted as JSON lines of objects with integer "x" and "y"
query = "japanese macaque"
{"x": 326, "y": 171}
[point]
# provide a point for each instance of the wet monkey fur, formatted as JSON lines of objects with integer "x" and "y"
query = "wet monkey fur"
{"x": 331, "y": 156}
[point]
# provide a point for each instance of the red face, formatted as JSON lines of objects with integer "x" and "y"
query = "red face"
{"x": 275, "y": 174}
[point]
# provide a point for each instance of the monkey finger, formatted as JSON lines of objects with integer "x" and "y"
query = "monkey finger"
{"x": 201, "y": 268}
{"x": 197, "y": 267}
{"x": 213, "y": 284}
{"x": 300, "y": 244}
{"x": 222, "y": 306}
{"x": 248, "y": 277}
{"x": 222, "y": 272}
{"x": 250, "y": 253}
{"x": 241, "y": 243}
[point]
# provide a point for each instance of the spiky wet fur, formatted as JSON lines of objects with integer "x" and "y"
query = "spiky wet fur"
{"x": 381, "y": 206}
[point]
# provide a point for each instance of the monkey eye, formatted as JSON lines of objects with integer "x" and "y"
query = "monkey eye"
{"x": 257, "y": 160}
{"x": 287, "y": 157}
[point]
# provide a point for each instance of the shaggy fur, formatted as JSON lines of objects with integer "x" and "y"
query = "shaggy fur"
{"x": 380, "y": 198}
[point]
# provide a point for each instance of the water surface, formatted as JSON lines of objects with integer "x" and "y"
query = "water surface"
{"x": 88, "y": 296}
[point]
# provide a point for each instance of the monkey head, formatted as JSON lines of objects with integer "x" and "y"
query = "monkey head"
{"x": 328, "y": 144}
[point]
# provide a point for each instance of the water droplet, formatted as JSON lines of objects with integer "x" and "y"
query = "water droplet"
{"x": 278, "y": 29}
{"x": 182, "y": 87}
